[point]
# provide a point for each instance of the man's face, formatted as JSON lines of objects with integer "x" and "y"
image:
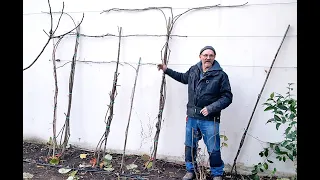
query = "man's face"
{"x": 207, "y": 58}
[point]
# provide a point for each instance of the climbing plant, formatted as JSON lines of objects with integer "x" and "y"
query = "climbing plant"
{"x": 284, "y": 110}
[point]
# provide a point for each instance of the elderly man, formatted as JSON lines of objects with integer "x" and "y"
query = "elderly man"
{"x": 209, "y": 92}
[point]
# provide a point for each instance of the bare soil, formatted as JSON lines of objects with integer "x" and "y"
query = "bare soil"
{"x": 35, "y": 162}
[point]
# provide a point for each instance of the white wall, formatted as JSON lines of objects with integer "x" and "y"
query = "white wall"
{"x": 245, "y": 38}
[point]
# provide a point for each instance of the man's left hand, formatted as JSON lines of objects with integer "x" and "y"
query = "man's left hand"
{"x": 204, "y": 111}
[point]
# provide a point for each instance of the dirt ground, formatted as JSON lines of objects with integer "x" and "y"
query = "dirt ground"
{"x": 35, "y": 163}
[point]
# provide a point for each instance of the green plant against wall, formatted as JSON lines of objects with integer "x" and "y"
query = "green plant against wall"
{"x": 284, "y": 110}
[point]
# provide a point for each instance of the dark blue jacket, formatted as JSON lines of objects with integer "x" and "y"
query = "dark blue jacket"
{"x": 211, "y": 90}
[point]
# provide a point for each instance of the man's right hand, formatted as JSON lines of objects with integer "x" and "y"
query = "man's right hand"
{"x": 162, "y": 66}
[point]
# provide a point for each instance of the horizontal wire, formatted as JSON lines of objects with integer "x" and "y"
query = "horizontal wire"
{"x": 258, "y": 36}
{"x": 169, "y": 64}
{"x": 181, "y": 36}
{"x": 262, "y": 4}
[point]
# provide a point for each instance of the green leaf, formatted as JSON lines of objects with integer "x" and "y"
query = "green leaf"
{"x": 293, "y": 123}
{"x": 277, "y": 149}
{"x": 288, "y": 129}
{"x": 272, "y": 95}
{"x": 271, "y": 145}
{"x": 292, "y": 108}
{"x": 285, "y": 142}
{"x": 224, "y": 144}
{"x": 292, "y": 116}
{"x": 280, "y": 112}
{"x": 266, "y": 152}
{"x": 284, "y": 120}
{"x": 290, "y": 157}
{"x": 267, "y": 104}
{"x": 73, "y": 173}
{"x": 274, "y": 170}
{"x": 256, "y": 177}
{"x": 148, "y": 164}
{"x": 261, "y": 153}
{"x": 282, "y": 107}
{"x": 276, "y": 117}
{"x": 277, "y": 126}
{"x": 269, "y": 161}
{"x": 292, "y": 135}
{"x": 289, "y": 147}
{"x": 270, "y": 120}
{"x": 50, "y": 141}
{"x": 106, "y": 162}
{"x": 294, "y": 153}
{"x": 225, "y": 138}
{"x": 269, "y": 99}
{"x": 261, "y": 169}
{"x": 54, "y": 161}
{"x": 269, "y": 108}
{"x": 254, "y": 171}
{"x": 265, "y": 165}
{"x": 284, "y": 159}
{"x": 108, "y": 157}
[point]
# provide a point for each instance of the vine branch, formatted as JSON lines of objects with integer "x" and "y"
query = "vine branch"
{"x": 52, "y": 32}
{"x": 127, "y": 129}
{"x": 111, "y": 104}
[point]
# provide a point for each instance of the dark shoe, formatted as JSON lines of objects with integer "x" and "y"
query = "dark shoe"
{"x": 189, "y": 176}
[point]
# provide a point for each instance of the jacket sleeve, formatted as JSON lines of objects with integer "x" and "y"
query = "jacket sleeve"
{"x": 225, "y": 96}
{"x": 181, "y": 77}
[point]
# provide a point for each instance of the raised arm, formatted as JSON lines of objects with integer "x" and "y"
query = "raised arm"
{"x": 181, "y": 77}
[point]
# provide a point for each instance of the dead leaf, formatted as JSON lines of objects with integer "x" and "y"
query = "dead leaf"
{"x": 27, "y": 176}
{"x": 131, "y": 166}
{"x": 70, "y": 178}
{"x": 93, "y": 162}
{"x": 82, "y": 156}
{"x": 136, "y": 171}
{"x": 84, "y": 165}
{"x": 58, "y": 155}
{"x": 40, "y": 166}
{"x": 145, "y": 157}
{"x": 63, "y": 170}
{"x": 101, "y": 165}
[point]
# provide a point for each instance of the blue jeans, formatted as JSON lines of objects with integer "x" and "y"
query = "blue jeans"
{"x": 209, "y": 130}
